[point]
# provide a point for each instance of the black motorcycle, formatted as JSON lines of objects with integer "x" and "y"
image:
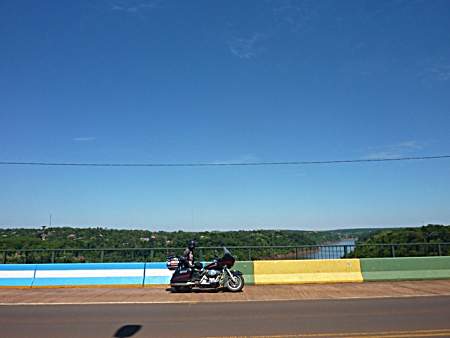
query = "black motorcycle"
{"x": 213, "y": 276}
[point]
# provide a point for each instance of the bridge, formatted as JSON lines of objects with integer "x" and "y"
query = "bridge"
{"x": 377, "y": 309}
{"x": 341, "y": 297}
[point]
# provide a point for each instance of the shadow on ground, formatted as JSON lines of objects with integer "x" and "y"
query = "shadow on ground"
{"x": 199, "y": 290}
{"x": 127, "y": 331}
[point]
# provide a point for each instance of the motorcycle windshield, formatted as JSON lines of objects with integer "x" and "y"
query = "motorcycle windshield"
{"x": 226, "y": 251}
{"x": 227, "y": 255}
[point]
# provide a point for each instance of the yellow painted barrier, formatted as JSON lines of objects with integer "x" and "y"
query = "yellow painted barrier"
{"x": 307, "y": 271}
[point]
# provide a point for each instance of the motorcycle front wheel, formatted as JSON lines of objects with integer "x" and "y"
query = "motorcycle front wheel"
{"x": 237, "y": 285}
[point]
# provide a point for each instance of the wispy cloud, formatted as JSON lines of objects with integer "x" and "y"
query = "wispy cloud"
{"x": 411, "y": 145}
{"x": 400, "y": 149}
{"x": 84, "y": 139}
{"x": 440, "y": 72}
{"x": 134, "y": 6}
{"x": 247, "y": 158}
{"x": 434, "y": 69}
{"x": 295, "y": 14}
{"x": 246, "y": 48}
{"x": 281, "y": 16}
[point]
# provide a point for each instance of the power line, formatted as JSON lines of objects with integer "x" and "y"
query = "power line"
{"x": 224, "y": 164}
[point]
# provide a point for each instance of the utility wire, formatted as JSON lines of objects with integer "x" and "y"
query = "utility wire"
{"x": 224, "y": 164}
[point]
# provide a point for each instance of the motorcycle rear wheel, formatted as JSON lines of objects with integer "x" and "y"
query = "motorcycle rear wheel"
{"x": 235, "y": 286}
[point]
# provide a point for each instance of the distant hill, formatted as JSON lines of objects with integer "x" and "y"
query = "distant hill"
{"x": 102, "y": 238}
{"x": 432, "y": 234}
{"x": 86, "y": 238}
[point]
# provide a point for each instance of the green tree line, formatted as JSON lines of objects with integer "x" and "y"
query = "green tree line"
{"x": 404, "y": 242}
{"x": 152, "y": 245}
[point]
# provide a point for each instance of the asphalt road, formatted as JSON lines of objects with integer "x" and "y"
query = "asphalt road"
{"x": 387, "y": 317}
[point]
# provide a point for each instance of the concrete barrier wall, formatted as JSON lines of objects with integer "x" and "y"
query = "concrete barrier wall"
{"x": 407, "y": 268}
{"x": 17, "y": 275}
{"x": 157, "y": 274}
{"x": 80, "y": 274}
{"x": 247, "y": 269}
{"x": 257, "y": 272}
{"x": 307, "y": 271}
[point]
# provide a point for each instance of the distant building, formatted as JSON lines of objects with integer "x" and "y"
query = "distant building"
{"x": 43, "y": 233}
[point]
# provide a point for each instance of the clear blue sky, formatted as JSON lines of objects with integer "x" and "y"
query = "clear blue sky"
{"x": 202, "y": 81}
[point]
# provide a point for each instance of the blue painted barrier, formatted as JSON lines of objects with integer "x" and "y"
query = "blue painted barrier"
{"x": 18, "y": 275}
{"x": 157, "y": 274}
{"x": 79, "y": 274}
{"x": 84, "y": 274}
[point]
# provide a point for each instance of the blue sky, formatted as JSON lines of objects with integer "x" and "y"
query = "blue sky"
{"x": 201, "y": 81}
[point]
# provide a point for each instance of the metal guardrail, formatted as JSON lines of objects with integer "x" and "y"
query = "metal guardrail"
{"x": 73, "y": 255}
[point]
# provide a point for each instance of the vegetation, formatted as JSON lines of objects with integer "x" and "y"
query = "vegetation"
{"x": 410, "y": 242}
{"x": 67, "y": 244}
{"x": 153, "y": 246}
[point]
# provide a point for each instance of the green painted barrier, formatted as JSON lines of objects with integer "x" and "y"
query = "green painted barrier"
{"x": 246, "y": 267}
{"x": 405, "y": 268}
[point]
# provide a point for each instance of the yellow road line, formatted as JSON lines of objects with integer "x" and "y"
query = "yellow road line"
{"x": 406, "y": 335}
{"x": 383, "y": 334}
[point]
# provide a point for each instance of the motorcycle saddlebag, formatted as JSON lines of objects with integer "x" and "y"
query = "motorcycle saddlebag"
{"x": 181, "y": 276}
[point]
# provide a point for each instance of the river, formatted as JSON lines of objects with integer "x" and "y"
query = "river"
{"x": 332, "y": 250}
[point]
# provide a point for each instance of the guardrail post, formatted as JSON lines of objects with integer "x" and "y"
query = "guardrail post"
{"x": 296, "y": 253}
{"x": 201, "y": 254}
{"x": 439, "y": 250}
{"x": 393, "y": 250}
{"x": 345, "y": 250}
{"x": 102, "y": 255}
{"x": 249, "y": 254}
{"x": 5, "y": 254}
{"x": 53, "y": 256}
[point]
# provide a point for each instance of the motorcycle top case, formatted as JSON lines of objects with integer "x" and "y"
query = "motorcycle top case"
{"x": 172, "y": 263}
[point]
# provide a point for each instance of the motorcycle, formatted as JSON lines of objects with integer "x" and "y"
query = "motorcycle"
{"x": 214, "y": 275}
